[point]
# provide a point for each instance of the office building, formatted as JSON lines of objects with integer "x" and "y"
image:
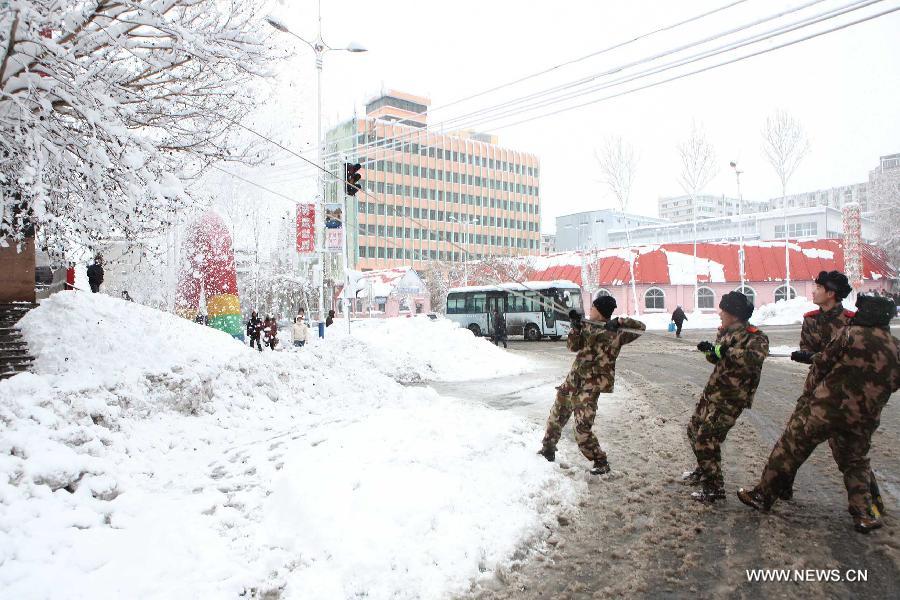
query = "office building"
{"x": 590, "y": 229}
{"x": 679, "y": 209}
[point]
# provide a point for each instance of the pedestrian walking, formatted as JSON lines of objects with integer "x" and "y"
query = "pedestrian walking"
{"x": 593, "y": 373}
{"x": 254, "y": 330}
{"x": 678, "y": 317}
{"x": 499, "y": 328}
{"x": 737, "y": 356}
{"x": 270, "y": 332}
{"x": 95, "y": 274}
{"x": 854, "y": 376}
{"x": 126, "y": 296}
{"x": 329, "y": 319}
{"x": 299, "y": 331}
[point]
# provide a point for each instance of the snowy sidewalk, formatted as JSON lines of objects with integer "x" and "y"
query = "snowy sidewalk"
{"x": 151, "y": 457}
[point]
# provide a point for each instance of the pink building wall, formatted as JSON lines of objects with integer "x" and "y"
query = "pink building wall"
{"x": 683, "y": 295}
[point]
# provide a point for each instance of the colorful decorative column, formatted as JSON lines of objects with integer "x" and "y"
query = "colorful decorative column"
{"x": 210, "y": 270}
{"x": 853, "y": 244}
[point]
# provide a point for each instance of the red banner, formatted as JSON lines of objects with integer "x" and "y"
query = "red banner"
{"x": 306, "y": 228}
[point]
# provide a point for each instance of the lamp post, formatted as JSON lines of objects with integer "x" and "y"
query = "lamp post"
{"x": 737, "y": 174}
{"x": 319, "y": 47}
{"x": 467, "y": 223}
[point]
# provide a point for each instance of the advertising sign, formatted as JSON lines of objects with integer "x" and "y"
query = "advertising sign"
{"x": 306, "y": 228}
{"x": 334, "y": 228}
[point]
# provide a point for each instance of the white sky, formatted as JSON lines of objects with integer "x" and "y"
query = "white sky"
{"x": 844, "y": 87}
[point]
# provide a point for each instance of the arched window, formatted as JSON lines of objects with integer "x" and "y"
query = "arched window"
{"x": 602, "y": 292}
{"x": 749, "y": 292}
{"x": 782, "y": 293}
{"x": 654, "y": 299}
{"x": 706, "y": 298}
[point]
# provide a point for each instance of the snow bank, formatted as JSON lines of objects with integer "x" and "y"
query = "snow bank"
{"x": 150, "y": 457}
{"x": 424, "y": 349}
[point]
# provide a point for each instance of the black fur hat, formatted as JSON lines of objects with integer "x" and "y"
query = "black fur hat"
{"x": 836, "y": 282}
{"x": 605, "y": 305}
{"x": 737, "y": 304}
{"x": 874, "y": 311}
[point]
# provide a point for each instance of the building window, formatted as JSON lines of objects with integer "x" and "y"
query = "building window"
{"x": 654, "y": 299}
{"x": 797, "y": 230}
{"x": 782, "y": 293}
{"x": 749, "y": 292}
{"x": 706, "y": 298}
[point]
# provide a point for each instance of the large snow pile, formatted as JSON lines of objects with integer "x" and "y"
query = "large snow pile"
{"x": 149, "y": 457}
{"x": 431, "y": 349}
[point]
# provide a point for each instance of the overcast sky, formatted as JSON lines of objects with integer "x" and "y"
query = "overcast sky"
{"x": 844, "y": 87}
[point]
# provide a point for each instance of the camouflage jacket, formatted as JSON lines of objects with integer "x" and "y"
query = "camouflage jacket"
{"x": 595, "y": 364}
{"x": 736, "y": 376}
{"x": 819, "y": 328}
{"x": 856, "y": 373}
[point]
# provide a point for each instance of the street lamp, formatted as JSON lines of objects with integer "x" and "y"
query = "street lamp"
{"x": 471, "y": 221}
{"x": 319, "y": 47}
{"x": 737, "y": 174}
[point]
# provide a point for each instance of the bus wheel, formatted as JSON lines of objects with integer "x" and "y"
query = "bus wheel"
{"x": 532, "y": 333}
{"x": 475, "y": 329}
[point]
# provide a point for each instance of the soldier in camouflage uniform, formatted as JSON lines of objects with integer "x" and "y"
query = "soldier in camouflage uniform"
{"x": 854, "y": 377}
{"x": 738, "y": 356}
{"x": 820, "y": 327}
{"x": 593, "y": 373}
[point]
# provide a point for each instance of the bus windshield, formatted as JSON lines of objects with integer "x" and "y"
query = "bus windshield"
{"x": 570, "y": 299}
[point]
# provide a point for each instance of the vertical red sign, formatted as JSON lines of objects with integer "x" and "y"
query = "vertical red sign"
{"x": 306, "y": 228}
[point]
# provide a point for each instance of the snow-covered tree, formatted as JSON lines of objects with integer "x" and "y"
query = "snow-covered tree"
{"x": 698, "y": 167}
{"x": 618, "y": 164}
{"x": 109, "y": 107}
{"x": 785, "y": 145}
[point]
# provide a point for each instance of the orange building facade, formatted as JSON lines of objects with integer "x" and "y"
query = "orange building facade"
{"x": 431, "y": 196}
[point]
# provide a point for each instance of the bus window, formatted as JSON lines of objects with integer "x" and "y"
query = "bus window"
{"x": 456, "y": 304}
{"x": 475, "y": 303}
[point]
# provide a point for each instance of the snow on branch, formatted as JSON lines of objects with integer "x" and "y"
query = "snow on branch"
{"x": 108, "y": 109}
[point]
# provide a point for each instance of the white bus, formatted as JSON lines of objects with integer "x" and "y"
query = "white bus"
{"x": 532, "y": 309}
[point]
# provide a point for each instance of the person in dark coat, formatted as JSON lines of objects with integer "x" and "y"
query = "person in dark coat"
{"x": 95, "y": 274}
{"x": 329, "y": 319}
{"x": 499, "y": 328}
{"x": 678, "y": 317}
{"x": 254, "y": 330}
{"x": 270, "y": 329}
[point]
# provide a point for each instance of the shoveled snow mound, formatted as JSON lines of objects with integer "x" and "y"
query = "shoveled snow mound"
{"x": 439, "y": 350}
{"x": 150, "y": 457}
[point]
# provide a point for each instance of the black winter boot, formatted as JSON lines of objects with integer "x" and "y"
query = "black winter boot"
{"x": 694, "y": 477}
{"x": 548, "y": 453}
{"x": 601, "y": 467}
{"x": 709, "y": 493}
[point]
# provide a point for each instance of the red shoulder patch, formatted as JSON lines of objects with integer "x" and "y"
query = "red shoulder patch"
{"x": 849, "y": 314}
{"x": 752, "y": 329}
{"x": 812, "y": 313}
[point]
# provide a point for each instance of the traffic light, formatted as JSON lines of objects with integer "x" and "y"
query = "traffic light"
{"x": 352, "y": 178}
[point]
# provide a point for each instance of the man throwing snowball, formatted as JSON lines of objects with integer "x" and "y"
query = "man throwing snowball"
{"x": 593, "y": 373}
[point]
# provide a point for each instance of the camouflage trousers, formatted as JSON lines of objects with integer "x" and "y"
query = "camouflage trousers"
{"x": 796, "y": 424}
{"x": 583, "y": 404}
{"x": 809, "y": 427}
{"x": 707, "y": 429}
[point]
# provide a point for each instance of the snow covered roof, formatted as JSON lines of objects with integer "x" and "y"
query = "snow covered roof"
{"x": 717, "y": 262}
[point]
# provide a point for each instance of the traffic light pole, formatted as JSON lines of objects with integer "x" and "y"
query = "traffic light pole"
{"x": 320, "y": 205}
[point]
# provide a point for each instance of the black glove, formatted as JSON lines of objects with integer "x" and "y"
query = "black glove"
{"x": 612, "y": 324}
{"x": 801, "y": 356}
{"x": 705, "y": 347}
{"x": 575, "y": 319}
